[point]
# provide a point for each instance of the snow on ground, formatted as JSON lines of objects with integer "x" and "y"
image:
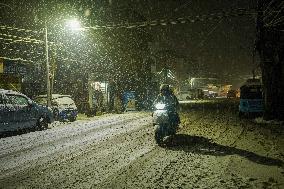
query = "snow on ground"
{"x": 213, "y": 149}
{"x": 260, "y": 120}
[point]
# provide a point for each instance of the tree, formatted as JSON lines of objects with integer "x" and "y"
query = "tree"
{"x": 270, "y": 42}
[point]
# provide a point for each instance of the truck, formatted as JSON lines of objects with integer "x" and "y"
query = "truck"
{"x": 190, "y": 94}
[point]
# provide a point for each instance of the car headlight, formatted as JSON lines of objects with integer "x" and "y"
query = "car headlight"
{"x": 160, "y": 106}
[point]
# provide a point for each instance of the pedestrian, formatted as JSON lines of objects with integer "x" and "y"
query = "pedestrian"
{"x": 111, "y": 91}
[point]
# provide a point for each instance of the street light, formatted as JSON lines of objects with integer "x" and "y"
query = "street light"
{"x": 73, "y": 24}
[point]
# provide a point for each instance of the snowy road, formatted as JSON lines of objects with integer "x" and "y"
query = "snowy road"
{"x": 57, "y": 145}
{"x": 213, "y": 149}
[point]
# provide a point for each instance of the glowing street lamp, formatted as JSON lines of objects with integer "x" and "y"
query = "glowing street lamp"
{"x": 74, "y": 24}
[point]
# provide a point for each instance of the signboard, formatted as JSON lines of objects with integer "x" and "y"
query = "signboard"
{"x": 10, "y": 82}
{"x": 100, "y": 86}
{"x": 1, "y": 67}
{"x": 14, "y": 68}
{"x": 129, "y": 101}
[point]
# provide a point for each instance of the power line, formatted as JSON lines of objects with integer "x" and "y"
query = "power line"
{"x": 155, "y": 22}
{"x": 16, "y": 59}
{"x": 182, "y": 6}
{"x": 16, "y": 39}
{"x": 21, "y": 39}
{"x": 209, "y": 33}
{"x": 276, "y": 22}
{"x": 35, "y": 54}
{"x": 268, "y": 6}
{"x": 10, "y": 28}
{"x": 273, "y": 14}
{"x": 174, "y": 21}
{"x": 273, "y": 21}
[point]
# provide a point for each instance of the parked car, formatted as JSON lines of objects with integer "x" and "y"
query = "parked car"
{"x": 210, "y": 94}
{"x": 18, "y": 112}
{"x": 63, "y": 106}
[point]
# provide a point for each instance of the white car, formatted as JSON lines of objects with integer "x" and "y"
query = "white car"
{"x": 63, "y": 106}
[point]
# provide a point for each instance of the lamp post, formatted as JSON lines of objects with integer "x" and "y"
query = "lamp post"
{"x": 73, "y": 24}
{"x": 49, "y": 95}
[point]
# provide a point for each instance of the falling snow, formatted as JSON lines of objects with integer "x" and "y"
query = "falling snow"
{"x": 107, "y": 55}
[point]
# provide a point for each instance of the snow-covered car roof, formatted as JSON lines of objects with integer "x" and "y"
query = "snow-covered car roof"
{"x": 59, "y": 98}
{"x": 54, "y": 96}
{"x": 11, "y": 92}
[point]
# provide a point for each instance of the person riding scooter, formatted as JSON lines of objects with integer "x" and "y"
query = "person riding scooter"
{"x": 167, "y": 96}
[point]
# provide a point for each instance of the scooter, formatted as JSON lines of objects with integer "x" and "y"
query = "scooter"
{"x": 164, "y": 122}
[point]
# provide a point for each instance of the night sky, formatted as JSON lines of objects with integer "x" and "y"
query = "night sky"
{"x": 220, "y": 45}
{"x": 217, "y": 46}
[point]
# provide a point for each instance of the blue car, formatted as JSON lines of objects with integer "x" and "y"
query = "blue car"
{"x": 18, "y": 112}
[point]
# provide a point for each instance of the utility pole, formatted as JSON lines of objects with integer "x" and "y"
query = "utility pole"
{"x": 48, "y": 97}
{"x": 53, "y": 70}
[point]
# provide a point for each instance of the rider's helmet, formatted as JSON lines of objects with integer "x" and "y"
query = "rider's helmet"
{"x": 164, "y": 88}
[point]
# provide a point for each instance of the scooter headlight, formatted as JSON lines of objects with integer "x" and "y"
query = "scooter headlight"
{"x": 160, "y": 106}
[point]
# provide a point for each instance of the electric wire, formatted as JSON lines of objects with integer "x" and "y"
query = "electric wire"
{"x": 150, "y": 23}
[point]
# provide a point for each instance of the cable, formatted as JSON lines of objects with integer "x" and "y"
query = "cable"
{"x": 202, "y": 42}
{"x": 156, "y": 22}
{"x": 268, "y": 6}
{"x": 276, "y": 22}
{"x": 9, "y": 28}
{"x": 180, "y": 20}
{"x": 37, "y": 54}
{"x": 16, "y": 59}
{"x": 275, "y": 17}
{"x": 270, "y": 14}
{"x": 182, "y": 6}
{"x": 21, "y": 39}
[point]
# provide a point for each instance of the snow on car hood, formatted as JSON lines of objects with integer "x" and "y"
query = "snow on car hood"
{"x": 65, "y": 102}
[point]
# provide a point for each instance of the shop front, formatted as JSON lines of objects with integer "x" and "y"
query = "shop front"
{"x": 12, "y": 75}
